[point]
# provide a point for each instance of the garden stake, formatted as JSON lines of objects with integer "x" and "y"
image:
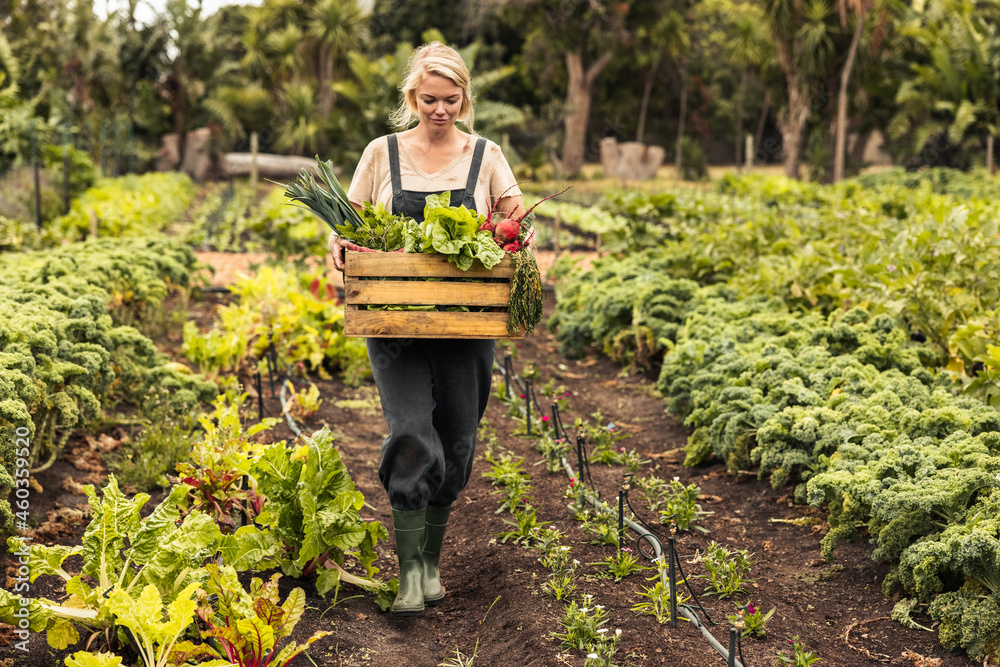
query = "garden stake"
{"x": 527, "y": 403}
{"x": 260, "y": 398}
{"x": 732, "y": 646}
{"x": 272, "y": 361}
{"x": 672, "y": 578}
{"x": 579, "y": 456}
{"x": 621, "y": 519}
{"x": 506, "y": 375}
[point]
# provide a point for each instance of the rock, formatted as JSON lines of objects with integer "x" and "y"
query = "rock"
{"x": 630, "y": 160}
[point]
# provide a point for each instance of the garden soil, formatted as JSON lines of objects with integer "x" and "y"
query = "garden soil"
{"x": 495, "y": 606}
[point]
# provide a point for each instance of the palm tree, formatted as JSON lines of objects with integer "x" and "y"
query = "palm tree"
{"x": 674, "y": 38}
{"x": 336, "y": 27}
{"x": 747, "y": 49}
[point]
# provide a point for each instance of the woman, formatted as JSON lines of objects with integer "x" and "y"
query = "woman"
{"x": 433, "y": 392}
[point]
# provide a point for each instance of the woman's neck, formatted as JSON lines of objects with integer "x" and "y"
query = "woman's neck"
{"x": 433, "y": 137}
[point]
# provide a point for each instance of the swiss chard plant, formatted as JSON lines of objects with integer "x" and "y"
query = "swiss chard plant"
{"x": 312, "y": 509}
{"x": 245, "y": 627}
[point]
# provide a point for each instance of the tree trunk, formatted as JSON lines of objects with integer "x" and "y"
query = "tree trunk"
{"x": 678, "y": 161}
{"x": 325, "y": 82}
{"x": 740, "y": 101}
{"x": 792, "y": 122}
{"x": 858, "y": 154}
{"x": 177, "y": 111}
{"x": 761, "y": 123}
{"x": 990, "y": 164}
{"x": 845, "y": 77}
{"x": 578, "y": 107}
{"x": 646, "y": 93}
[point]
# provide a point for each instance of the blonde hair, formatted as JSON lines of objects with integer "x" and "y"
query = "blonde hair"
{"x": 433, "y": 58}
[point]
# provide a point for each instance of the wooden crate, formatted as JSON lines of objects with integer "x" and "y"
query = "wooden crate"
{"x": 368, "y": 281}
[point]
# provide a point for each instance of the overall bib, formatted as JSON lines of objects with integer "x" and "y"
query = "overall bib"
{"x": 433, "y": 391}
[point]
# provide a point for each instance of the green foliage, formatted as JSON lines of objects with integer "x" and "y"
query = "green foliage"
{"x": 128, "y": 206}
{"x": 752, "y": 621}
{"x": 312, "y": 509}
{"x": 66, "y": 350}
{"x": 726, "y": 571}
{"x": 294, "y": 312}
{"x": 620, "y": 565}
{"x": 800, "y": 656}
{"x": 585, "y": 631}
{"x": 244, "y": 627}
{"x": 155, "y": 637}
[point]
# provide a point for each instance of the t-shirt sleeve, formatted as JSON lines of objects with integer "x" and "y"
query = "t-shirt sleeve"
{"x": 502, "y": 181}
{"x": 363, "y": 182}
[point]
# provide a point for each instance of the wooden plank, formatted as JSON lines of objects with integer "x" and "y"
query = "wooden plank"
{"x": 419, "y": 293}
{"x": 411, "y": 324}
{"x": 412, "y": 264}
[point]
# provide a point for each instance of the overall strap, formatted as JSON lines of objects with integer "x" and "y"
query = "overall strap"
{"x": 397, "y": 181}
{"x": 469, "y": 200}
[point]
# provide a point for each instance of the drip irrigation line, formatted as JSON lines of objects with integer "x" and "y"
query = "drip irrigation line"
{"x": 677, "y": 559}
{"x": 683, "y": 610}
{"x": 284, "y": 409}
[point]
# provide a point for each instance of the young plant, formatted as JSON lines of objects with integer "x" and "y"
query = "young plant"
{"x": 620, "y": 565}
{"x": 726, "y": 570}
{"x": 800, "y": 656}
{"x": 603, "y": 528}
{"x": 657, "y": 596}
{"x": 303, "y": 404}
{"x": 751, "y": 621}
{"x": 460, "y": 659}
{"x": 245, "y": 627}
{"x": 525, "y": 525}
{"x": 507, "y": 472}
{"x": 552, "y": 449}
{"x": 560, "y": 561}
{"x": 583, "y": 626}
{"x": 220, "y": 463}
{"x": 144, "y": 617}
{"x": 680, "y": 504}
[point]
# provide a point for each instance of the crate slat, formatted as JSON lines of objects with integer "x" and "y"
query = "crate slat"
{"x": 411, "y": 324}
{"x": 400, "y": 265}
{"x": 417, "y": 293}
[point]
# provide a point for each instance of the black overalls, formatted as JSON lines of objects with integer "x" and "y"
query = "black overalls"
{"x": 433, "y": 391}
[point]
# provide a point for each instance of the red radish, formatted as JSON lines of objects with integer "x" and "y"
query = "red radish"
{"x": 508, "y": 229}
{"x": 513, "y": 246}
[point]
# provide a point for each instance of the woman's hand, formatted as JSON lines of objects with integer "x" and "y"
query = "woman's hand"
{"x": 337, "y": 247}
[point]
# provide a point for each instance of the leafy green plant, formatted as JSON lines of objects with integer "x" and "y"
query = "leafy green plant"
{"x": 219, "y": 463}
{"x": 585, "y": 631}
{"x": 657, "y": 596}
{"x": 726, "y": 570}
{"x": 524, "y": 526}
{"x": 244, "y": 627}
{"x": 620, "y": 565}
{"x": 507, "y": 472}
{"x": 303, "y": 404}
{"x": 155, "y": 637}
{"x": 312, "y": 510}
{"x": 800, "y": 656}
{"x": 680, "y": 505}
{"x": 751, "y": 621}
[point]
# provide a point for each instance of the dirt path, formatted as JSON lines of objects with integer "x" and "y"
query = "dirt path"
{"x": 495, "y": 600}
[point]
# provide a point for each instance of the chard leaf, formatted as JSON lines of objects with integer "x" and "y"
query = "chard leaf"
{"x": 38, "y": 615}
{"x": 259, "y": 636}
{"x": 181, "y": 552}
{"x": 293, "y": 606}
{"x": 115, "y": 518}
{"x": 62, "y": 633}
{"x": 43, "y": 559}
{"x": 250, "y": 548}
{"x": 163, "y": 518}
{"x": 88, "y": 659}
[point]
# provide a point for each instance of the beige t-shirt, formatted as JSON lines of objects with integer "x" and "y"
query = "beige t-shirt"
{"x": 372, "y": 181}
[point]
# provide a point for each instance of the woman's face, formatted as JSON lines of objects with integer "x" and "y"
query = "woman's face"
{"x": 439, "y": 101}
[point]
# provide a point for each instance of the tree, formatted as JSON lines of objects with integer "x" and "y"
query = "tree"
{"x": 337, "y": 27}
{"x": 803, "y": 45}
{"x": 585, "y": 33}
{"x": 747, "y": 49}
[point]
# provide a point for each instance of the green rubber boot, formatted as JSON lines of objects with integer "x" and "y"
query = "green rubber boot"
{"x": 409, "y": 528}
{"x": 436, "y": 524}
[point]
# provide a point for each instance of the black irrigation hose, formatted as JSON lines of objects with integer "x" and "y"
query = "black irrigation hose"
{"x": 644, "y": 534}
{"x": 677, "y": 559}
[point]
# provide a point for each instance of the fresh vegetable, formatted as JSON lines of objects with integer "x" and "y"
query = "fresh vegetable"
{"x": 325, "y": 198}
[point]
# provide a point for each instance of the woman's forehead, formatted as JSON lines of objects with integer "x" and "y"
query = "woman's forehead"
{"x": 438, "y": 86}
